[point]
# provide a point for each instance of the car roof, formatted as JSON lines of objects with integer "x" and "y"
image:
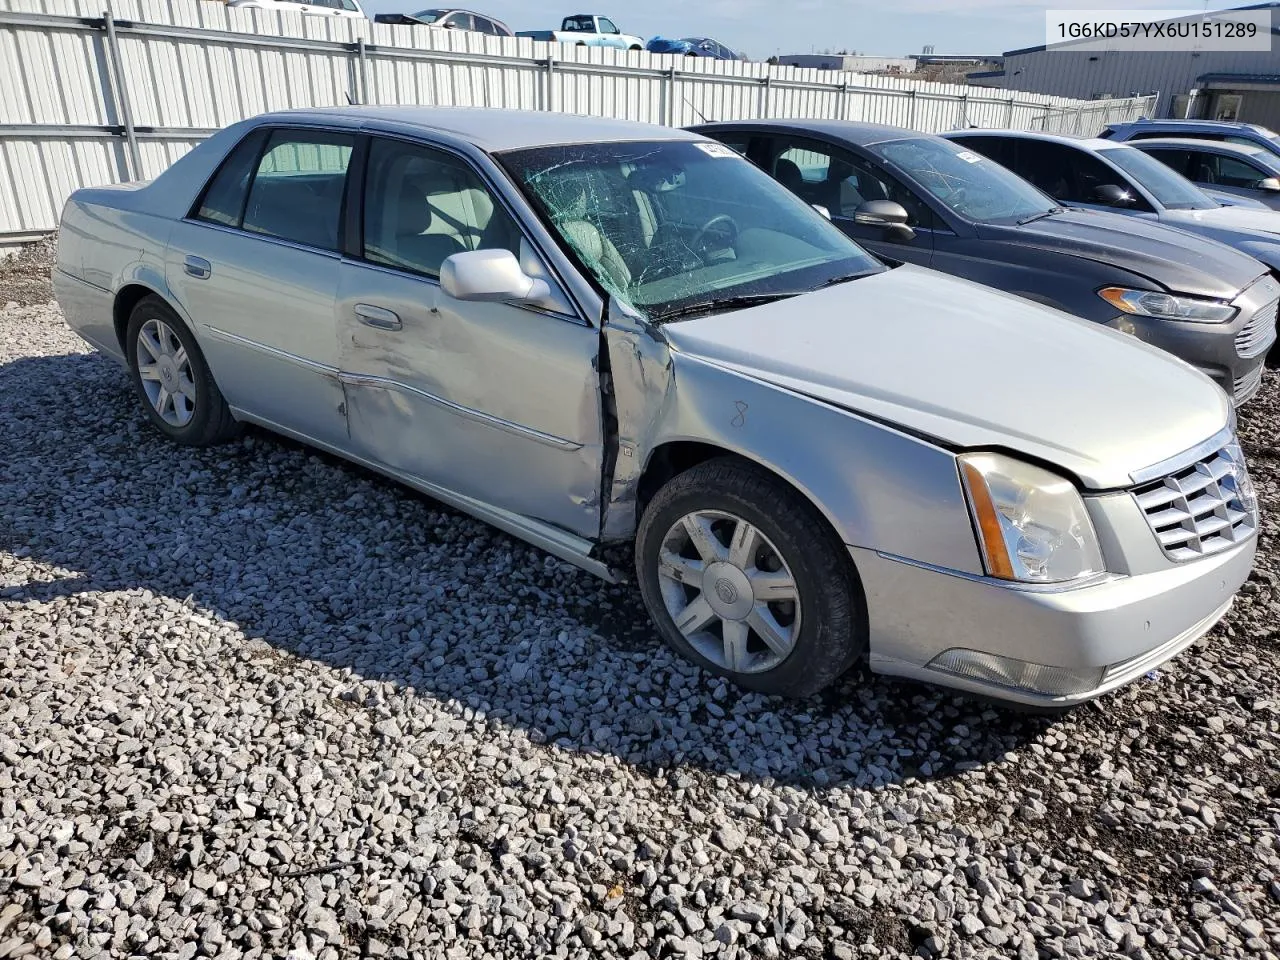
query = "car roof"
{"x": 1146, "y": 122}
{"x": 491, "y": 130}
{"x": 859, "y": 134}
{"x": 1196, "y": 143}
{"x": 1089, "y": 143}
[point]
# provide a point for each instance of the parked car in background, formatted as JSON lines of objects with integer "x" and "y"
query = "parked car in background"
{"x": 693, "y": 47}
{"x": 587, "y": 30}
{"x": 1113, "y": 176}
{"x": 320, "y": 8}
{"x": 921, "y": 199}
{"x": 593, "y": 332}
{"x": 1222, "y": 131}
{"x": 449, "y": 20}
{"x": 1247, "y": 171}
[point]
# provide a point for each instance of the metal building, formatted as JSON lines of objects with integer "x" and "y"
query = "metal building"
{"x": 1206, "y": 84}
{"x": 849, "y": 62}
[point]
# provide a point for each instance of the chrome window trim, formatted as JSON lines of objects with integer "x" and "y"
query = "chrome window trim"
{"x": 368, "y": 380}
{"x": 269, "y": 238}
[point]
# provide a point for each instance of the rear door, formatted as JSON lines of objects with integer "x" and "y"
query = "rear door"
{"x": 255, "y": 267}
{"x": 497, "y": 402}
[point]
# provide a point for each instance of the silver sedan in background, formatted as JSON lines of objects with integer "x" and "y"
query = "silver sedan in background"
{"x": 591, "y": 332}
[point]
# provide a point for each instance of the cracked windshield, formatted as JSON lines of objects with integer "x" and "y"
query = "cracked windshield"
{"x": 677, "y": 228}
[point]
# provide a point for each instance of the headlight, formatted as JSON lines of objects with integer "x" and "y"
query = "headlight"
{"x": 1032, "y": 525}
{"x": 1165, "y": 306}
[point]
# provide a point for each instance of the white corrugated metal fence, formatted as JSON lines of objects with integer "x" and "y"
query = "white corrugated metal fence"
{"x": 88, "y": 96}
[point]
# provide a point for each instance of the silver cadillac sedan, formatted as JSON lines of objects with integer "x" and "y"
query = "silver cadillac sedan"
{"x": 590, "y": 332}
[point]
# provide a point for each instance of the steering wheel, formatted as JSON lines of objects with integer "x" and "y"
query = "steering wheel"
{"x": 721, "y": 221}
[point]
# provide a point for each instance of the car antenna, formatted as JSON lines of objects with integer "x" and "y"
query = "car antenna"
{"x": 694, "y": 109}
{"x": 350, "y": 102}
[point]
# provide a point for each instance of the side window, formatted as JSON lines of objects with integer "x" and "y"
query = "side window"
{"x": 459, "y": 21}
{"x": 606, "y": 26}
{"x": 1065, "y": 173}
{"x": 842, "y": 182}
{"x": 1236, "y": 173}
{"x": 481, "y": 25}
{"x": 803, "y": 169}
{"x": 298, "y": 187}
{"x": 423, "y": 205}
{"x": 1185, "y": 162}
{"x": 224, "y": 198}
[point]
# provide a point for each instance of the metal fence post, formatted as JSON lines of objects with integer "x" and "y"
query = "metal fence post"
{"x": 121, "y": 97}
{"x": 364, "y": 69}
{"x": 844, "y": 101}
{"x": 1009, "y": 119}
{"x": 549, "y": 99}
{"x": 911, "y": 108}
{"x": 764, "y": 97}
{"x": 669, "y": 101}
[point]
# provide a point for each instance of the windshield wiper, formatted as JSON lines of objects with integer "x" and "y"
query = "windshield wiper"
{"x": 1039, "y": 216}
{"x": 724, "y": 303}
{"x": 843, "y": 278}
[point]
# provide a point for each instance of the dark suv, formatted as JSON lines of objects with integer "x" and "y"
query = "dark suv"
{"x": 913, "y": 197}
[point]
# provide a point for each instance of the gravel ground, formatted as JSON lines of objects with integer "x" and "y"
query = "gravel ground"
{"x": 259, "y": 703}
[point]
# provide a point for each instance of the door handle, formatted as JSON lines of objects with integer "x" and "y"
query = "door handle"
{"x": 379, "y": 317}
{"x": 197, "y": 267}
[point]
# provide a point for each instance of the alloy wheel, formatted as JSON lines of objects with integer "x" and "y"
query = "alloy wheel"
{"x": 729, "y": 591}
{"x": 165, "y": 371}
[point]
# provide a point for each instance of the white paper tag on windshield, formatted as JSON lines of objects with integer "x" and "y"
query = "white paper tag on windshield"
{"x": 968, "y": 157}
{"x": 716, "y": 149}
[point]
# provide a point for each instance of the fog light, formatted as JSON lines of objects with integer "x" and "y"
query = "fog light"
{"x": 1125, "y": 325}
{"x": 1018, "y": 674}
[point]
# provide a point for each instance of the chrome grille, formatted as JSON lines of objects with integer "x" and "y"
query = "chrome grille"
{"x": 1201, "y": 509}
{"x": 1245, "y": 387}
{"x": 1259, "y": 333}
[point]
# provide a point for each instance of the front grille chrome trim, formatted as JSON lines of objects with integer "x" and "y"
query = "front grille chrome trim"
{"x": 1202, "y": 508}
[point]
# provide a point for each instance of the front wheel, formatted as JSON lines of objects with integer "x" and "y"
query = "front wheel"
{"x": 172, "y": 378}
{"x": 745, "y": 578}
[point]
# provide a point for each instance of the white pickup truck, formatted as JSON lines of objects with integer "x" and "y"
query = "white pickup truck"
{"x": 587, "y": 30}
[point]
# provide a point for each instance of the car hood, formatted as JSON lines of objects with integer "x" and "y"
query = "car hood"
{"x": 971, "y": 367}
{"x": 1170, "y": 257}
{"x": 1236, "y": 219}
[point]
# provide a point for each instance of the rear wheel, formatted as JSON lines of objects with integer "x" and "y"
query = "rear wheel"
{"x": 744, "y": 577}
{"x": 172, "y": 378}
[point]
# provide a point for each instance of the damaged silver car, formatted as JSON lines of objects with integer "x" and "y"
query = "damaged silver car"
{"x": 593, "y": 333}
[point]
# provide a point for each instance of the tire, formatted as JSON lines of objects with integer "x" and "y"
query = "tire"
{"x": 823, "y": 629}
{"x": 635, "y": 48}
{"x": 195, "y": 413}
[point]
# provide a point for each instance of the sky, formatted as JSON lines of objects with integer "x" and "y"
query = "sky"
{"x": 761, "y": 28}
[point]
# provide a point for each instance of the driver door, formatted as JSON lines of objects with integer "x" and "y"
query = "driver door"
{"x": 497, "y": 402}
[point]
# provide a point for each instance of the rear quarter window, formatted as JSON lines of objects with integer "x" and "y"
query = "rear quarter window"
{"x": 223, "y": 199}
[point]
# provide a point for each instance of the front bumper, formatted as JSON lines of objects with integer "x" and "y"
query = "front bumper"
{"x": 1125, "y": 625}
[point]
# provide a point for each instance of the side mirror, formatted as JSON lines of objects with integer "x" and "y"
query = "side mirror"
{"x": 822, "y": 210}
{"x": 450, "y": 25}
{"x": 1112, "y": 195}
{"x": 491, "y": 275}
{"x": 888, "y": 214}
{"x": 1270, "y": 184}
